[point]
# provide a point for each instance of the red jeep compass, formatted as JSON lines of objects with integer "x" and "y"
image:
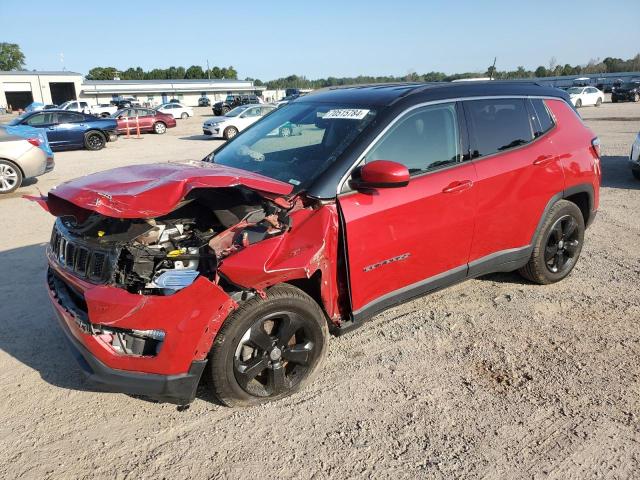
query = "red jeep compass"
{"x": 247, "y": 259}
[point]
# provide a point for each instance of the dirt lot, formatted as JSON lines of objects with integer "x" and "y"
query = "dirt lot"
{"x": 494, "y": 378}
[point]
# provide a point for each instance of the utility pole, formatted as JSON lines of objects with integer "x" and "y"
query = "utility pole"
{"x": 208, "y": 70}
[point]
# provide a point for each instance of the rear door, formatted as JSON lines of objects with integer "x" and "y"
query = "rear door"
{"x": 518, "y": 172}
{"x": 70, "y": 128}
{"x": 402, "y": 242}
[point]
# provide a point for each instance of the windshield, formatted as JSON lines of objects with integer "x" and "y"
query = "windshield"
{"x": 65, "y": 105}
{"x": 230, "y": 98}
{"x": 630, "y": 85}
{"x": 297, "y": 142}
{"x": 575, "y": 90}
{"x": 118, "y": 113}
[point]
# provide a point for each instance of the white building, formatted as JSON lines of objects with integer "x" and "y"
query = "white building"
{"x": 156, "y": 92}
{"x": 18, "y": 89}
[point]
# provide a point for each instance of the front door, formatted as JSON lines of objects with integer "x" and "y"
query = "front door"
{"x": 47, "y": 122}
{"x": 403, "y": 242}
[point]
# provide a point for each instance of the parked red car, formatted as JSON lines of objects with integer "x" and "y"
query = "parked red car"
{"x": 150, "y": 120}
{"x": 248, "y": 259}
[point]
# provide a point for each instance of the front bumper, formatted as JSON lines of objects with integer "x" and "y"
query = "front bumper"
{"x": 212, "y": 131}
{"x": 190, "y": 319}
{"x": 179, "y": 389}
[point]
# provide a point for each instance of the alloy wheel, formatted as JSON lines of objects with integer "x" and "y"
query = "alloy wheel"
{"x": 273, "y": 355}
{"x": 562, "y": 244}
{"x": 8, "y": 178}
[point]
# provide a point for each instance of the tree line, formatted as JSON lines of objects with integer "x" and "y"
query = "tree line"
{"x": 172, "y": 73}
{"x": 12, "y": 58}
{"x": 553, "y": 69}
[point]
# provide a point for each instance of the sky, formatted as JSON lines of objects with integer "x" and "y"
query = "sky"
{"x": 273, "y": 38}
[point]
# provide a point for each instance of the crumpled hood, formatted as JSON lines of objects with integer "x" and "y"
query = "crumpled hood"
{"x": 147, "y": 191}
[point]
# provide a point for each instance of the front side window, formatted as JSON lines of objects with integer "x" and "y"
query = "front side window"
{"x": 323, "y": 132}
{"x": 423, "y": 140}
{"x": 40, "y": 119}
{"x": 252, "y": 112}
{"x": 497, "y": 125}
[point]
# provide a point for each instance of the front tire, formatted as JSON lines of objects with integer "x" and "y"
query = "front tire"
{"x": 269, "y": 348}
{"x": 10, "y": 177}
{"x": 636, "y": 174}
{"x": 558, "y": 246}
{"x": 230, "y": 132}
{"x": 636, "y": 98}
{"x": 94, "y": 141}
{"x": 184, "y": 115}
{"x": 159, "y": 128}
{"x": 598, "y": 102}
{"x": 578, "y": 103}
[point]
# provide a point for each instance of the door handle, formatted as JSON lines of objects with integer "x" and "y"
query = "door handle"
{"x": 52, "y": 128}
{"x": 544, "y": 159}
{"x": 458, "y": 186}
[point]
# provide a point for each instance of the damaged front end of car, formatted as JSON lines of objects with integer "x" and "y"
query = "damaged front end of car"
{"x": 142, "y": 279}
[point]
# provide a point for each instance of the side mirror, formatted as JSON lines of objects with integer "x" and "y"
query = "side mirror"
{"x": 382, "y": 174}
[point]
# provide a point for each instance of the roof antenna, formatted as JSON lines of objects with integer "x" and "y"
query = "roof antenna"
{"x": 493, "y": 68}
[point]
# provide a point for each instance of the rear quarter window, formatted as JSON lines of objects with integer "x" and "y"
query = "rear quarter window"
{"x": 543, "y": 122}
{"x": 497, "y": 125}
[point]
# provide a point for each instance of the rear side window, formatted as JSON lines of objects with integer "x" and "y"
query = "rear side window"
{"x": 497, "y": 125}
{"x": 424, "y": 140}
{"x": 69, "y": 117}
{"x": 542, "y": 121}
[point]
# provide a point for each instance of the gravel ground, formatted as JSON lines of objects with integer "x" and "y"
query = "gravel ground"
{"x": 493, "y": 378}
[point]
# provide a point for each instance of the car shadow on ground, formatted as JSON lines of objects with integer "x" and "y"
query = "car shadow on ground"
{"x": 616, "y": 173}
{"x": 197, "y": 137}
{"x": 29, "y": 331}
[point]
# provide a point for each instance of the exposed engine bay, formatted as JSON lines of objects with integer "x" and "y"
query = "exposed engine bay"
{"x": 162, "y": 255}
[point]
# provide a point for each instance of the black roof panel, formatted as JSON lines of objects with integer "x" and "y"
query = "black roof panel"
{"x": 389, "y": 93}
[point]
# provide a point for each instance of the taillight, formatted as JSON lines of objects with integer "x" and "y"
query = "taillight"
{"x": 34, "y": 141}
{"x": 595, "y": 145}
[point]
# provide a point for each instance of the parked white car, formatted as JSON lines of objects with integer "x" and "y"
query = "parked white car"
{"x": 74, "y": 106}
{"x": 583, "y": 96}
{"x": 103, "y": 110}
{"x": 235, "y": 120}
{"x": 176, "y": 109}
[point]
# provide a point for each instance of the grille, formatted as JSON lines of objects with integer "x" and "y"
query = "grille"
{"x": 84, "y": 261}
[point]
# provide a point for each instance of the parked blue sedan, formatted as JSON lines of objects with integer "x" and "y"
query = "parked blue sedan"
{"x": 69, "y": 130}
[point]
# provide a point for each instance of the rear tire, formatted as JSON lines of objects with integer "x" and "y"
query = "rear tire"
{"x": 636, "y": 98}
{"x": 636, "y": 174}
{"x": 94, "y": 141}
{"x": 230, "y": 132}
{"x": 184, "y": 115}
{"x": 225, "y": 110}
{"x": 614, "y": 100}
{"x": 10, "y": 177}
{"x": 269, "y": 348}
{"x": 557, "y": 248}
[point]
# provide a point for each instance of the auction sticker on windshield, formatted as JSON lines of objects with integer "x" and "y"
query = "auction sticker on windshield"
{"x": 348, "y": 113}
